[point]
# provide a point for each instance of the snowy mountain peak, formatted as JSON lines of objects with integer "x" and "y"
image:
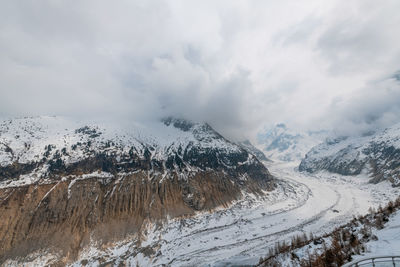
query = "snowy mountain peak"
{"x": 284, "y": 144}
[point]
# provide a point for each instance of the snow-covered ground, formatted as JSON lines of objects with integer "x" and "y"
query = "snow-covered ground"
{"x": 238, "y": 235}
{"x": 245, "y": 231}
{"x": 388, "y": 242}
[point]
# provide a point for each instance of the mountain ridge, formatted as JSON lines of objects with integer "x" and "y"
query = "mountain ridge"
{"x": 376, "y": 153}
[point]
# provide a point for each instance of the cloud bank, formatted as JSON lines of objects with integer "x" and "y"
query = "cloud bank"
{"x": 238, "y": 65}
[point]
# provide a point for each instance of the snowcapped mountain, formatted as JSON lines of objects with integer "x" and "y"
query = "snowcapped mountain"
{"x": 247, "y": 145}
{"x": 284, "y": 144}
{"x": 65, "y": 183}
{"x": 46, "y": 146}
{"x": 377, "y": 153}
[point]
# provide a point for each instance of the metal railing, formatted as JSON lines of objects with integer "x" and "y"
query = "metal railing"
{"x": 377, "y": 261}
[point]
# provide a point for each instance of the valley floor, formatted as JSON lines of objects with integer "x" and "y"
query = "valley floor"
{"x": 243, "y": 233}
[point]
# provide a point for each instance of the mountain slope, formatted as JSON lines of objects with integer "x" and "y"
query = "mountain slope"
{"x": 247, "y": 145}
{"x": 377, "y": 153}
{"x": 65, "y": 184}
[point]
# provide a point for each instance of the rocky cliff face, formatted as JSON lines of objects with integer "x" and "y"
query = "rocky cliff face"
{"x": 65, "y": 184}
{"x": 377, "y": 153}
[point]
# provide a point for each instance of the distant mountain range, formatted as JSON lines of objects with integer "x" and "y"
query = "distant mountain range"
{"x": 377, "y": 153}
{"x": 285, "y": 144}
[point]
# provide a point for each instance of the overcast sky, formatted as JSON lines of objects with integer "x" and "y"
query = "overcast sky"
{"x": 239, "y": 65}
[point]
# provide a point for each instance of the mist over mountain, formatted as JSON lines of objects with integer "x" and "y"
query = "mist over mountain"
{"x": 319, "y": 67}
{"x": 197, "y": 133}
{"x": 286, "y": 144}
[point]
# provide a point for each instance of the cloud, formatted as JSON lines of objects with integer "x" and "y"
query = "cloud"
{"x": 362, "y": 37}
{"x": 238, "y": 65}
{"x": 373, "y": 107}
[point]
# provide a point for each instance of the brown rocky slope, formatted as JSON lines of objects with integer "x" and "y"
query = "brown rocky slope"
{"x": 105, "y": 197}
